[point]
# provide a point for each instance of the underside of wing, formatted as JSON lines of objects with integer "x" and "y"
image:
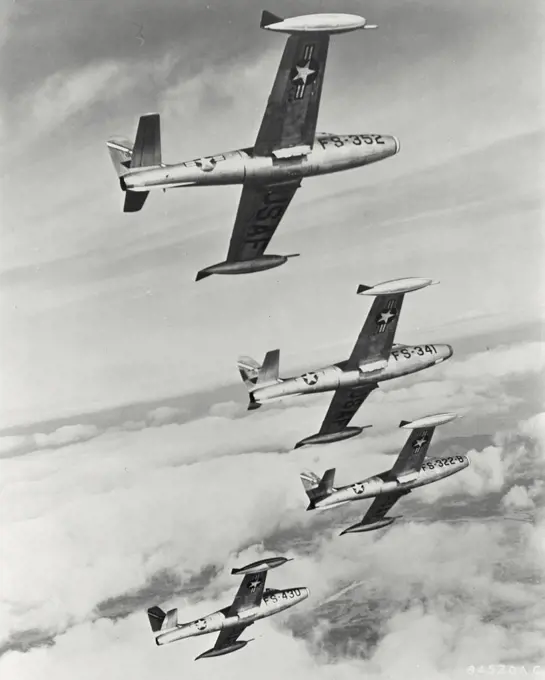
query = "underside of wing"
{"x": 228, "y": 636}
{"x": 292, "y": 109}
{"x": 413, "y": 452}
{"x": 382, "y": 505}
{"x": 344, "y": 406}
{"x": 376, "y": 338}
{"x": 249, "y": 593}
{"x": 260, "y": 210}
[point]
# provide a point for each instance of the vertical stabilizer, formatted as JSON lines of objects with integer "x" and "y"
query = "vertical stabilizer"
{"x": 269, "y": 371}
{"x": 147, "y": 145}
{"x": 317, "y": 488}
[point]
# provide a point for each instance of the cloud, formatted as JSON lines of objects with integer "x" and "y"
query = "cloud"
{"x": 65, "y": 94}
{"x": 132, "y": 503}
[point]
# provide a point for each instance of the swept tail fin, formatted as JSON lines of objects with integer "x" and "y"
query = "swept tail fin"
{"x": 269, "y": 371}
{"x": 146, "y": 152}
{"x": 317, "y": 488}
{"x": 147, "y": 145}
{"x": 256, "y": 376}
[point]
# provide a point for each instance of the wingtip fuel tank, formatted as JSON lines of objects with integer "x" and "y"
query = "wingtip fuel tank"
{"x": 370, "y": 526}
{"x": 261, "y": 565}
{"x": 395, "y": 286}
{"x": 210, "y": 653}
{"x": 258, "y": 264}
{"x": 428, "y": 421}
{"x": 314, "y": 23}
{"x": 347, "y": 433}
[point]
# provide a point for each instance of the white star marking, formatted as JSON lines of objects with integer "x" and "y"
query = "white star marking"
{"x": 201, "y": 624}
{"x": 419, "y": 443}
{"x": 358, "y": 487}
{"x": 254, "y": 585}
{"x": 303, "y": 72}
{"x": 310, "y": 378}
{"x": 206, "y": 164}
{"x": 386, "y": 316}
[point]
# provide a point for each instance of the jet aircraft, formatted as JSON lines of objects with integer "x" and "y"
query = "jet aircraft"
{"x": 410, "y": 471}
{"x": 373, "y": 359}
{"x": 252, "y": 602}
{"x": 286, "y": 150}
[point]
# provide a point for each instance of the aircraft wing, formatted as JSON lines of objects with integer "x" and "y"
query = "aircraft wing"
{"x": 413, "y": 452}
{"x": 260, "y": 210}
{"x": 228, "y": 636}
{"x": 292, "y": 109}
{"x": 377, "y": 335}
{"x": 344, "y": 405}
{"x": 382, "y": 505}
{"x": 249, "y": 593}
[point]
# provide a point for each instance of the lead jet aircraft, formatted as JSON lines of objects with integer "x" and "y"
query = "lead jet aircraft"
{"x": 410, "y": 471}
{"x": 373, "y": 359}
{"x": 252, "y": 602}
{"x": 286, "y": 150}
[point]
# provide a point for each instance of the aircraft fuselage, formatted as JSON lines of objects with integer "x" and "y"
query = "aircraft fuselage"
{"x": 403, "y": 360}
{"x": 432, "y": 470}
{"x": 273, "y": 601}
{"x": 330, "y": 153}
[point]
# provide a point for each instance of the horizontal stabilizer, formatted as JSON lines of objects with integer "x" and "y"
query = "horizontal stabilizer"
{"x": 121, "y": 153}
{"x": 317, "y": 488}
{"x": 134, "y": 200}
{"x": 252, "y": 403}
{"x": 156, "y": 617}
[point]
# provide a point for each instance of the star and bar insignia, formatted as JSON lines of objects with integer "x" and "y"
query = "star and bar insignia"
{"x": 304, "y": 72}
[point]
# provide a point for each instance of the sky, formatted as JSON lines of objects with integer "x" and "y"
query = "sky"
{"x": 131, "y": 472}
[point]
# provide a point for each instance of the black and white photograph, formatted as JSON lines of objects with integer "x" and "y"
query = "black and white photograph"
{"x": 288, "y": 420}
